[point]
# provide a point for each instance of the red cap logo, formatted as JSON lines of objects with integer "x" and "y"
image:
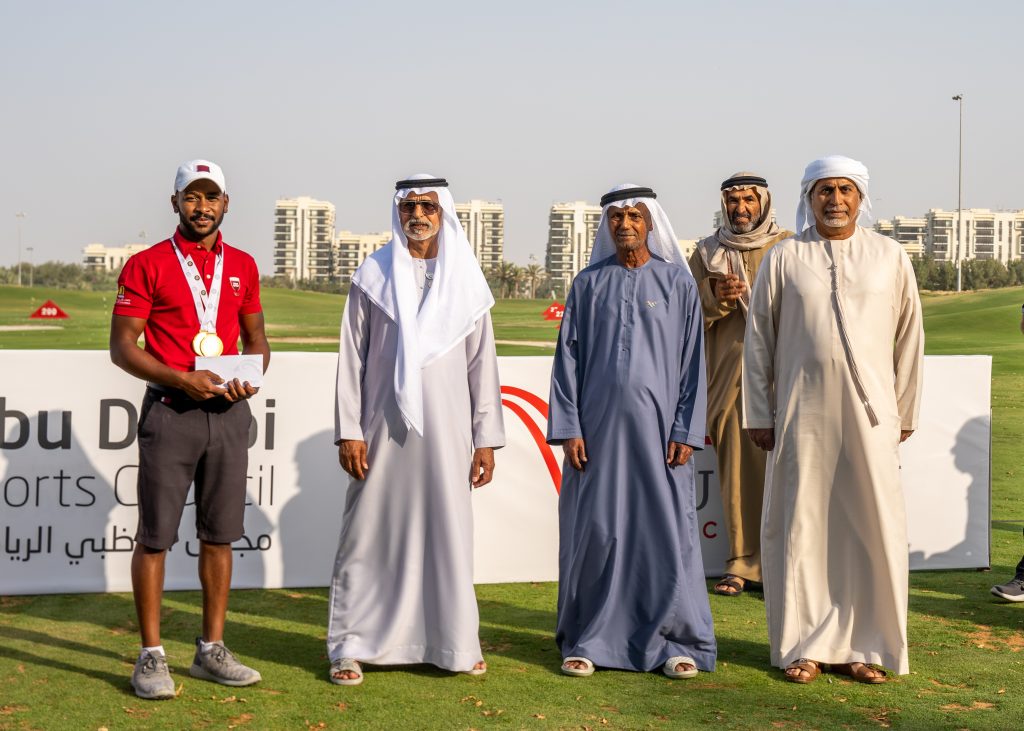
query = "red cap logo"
{"x": 203, "y": 168}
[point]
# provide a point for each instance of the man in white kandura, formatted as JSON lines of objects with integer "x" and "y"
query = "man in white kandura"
{"x": 417, "y": 421}
{"x": 832, "y": 371}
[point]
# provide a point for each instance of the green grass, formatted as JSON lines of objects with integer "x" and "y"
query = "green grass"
{"x": 65, "y": 659}
{"x": 304, "y": 321}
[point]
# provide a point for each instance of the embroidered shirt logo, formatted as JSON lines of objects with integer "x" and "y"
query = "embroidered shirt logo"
{"x": 235, "y": 284}
{"x": 652, "y": 303}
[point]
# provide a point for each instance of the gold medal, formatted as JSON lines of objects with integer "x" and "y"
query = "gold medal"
{"x": 211, "y": 346}
{"x": 207, "y": 344}
{"x": 197, "y": 342}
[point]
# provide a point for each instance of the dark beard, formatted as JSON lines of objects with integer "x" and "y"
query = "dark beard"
{"x": 189, "y": 231}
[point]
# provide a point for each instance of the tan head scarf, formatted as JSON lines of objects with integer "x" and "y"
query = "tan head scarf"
{"x": 721, "y": 253}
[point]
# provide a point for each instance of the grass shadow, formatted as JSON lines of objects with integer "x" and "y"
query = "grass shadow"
{"x": 87, "y": 668}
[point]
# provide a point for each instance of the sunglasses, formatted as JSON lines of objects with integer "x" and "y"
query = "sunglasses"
{"x": 409, "y": 207}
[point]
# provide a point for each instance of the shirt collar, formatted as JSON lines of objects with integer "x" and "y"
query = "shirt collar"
{"x": 188, "y": 247}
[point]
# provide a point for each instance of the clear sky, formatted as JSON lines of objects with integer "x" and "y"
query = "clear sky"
{"x": 528, "y": 102}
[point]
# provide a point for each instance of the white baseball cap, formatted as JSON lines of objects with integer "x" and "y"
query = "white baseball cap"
{"x": 193, "y": 170}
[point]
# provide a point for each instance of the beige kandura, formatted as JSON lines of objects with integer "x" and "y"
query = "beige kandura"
{"x": 833, "y": 362}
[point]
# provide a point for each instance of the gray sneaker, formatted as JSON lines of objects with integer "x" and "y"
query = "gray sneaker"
{"x": 220, "y": 666}
{"x": 151, "y": 678}
{"x": 1012, "y": 590}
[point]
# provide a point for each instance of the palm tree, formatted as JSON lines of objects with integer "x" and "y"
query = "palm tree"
{"x": 506, "y": 275}
{"x": 534, "y": 274}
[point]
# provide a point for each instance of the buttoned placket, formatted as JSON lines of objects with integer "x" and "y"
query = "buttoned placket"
{"x": 835, "y": 277}
{"x": 424, "y": 277}
{"x": 627, "y": 312}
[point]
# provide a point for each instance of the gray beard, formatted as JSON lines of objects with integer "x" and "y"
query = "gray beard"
{"x": 743, "y": 228}
{"x": 636, "y": 244}
{"x": 419, "y": 237}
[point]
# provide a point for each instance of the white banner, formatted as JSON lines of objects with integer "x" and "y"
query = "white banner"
{"x": 69, "y": 463}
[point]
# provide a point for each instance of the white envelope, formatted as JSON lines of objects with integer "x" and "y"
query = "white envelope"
{"x": 243, "y": 367}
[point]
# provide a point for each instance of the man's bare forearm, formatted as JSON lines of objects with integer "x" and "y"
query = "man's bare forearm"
{"x": 258, "y": 346}
{"x": 254, "y": 337}
{"x": 131, "y": 358}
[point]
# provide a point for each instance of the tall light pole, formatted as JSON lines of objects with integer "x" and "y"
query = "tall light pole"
{"x": 959, "y": 99}
{"x": 20, "y": 216}
{"x": 31, "y": 267}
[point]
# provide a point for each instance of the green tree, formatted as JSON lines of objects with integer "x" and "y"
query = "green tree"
{"x": 533, "y": 275}
{"x": 506, "y": 276}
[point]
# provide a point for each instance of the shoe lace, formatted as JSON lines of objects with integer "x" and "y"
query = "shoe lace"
{"x": 222, "y": 655}
{"x": 151, "y": 664}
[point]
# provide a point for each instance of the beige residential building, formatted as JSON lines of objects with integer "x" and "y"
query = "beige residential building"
{"x": 984, "y": 234}
{"x": 352, "y": 249}
{"x": 484, "y": 222}
{"x": 911, "y": 233}
{"x": 572, "y": 228}
{"x": 688, "y": 246}
{"x": 304, "y": 246}
{"x": 98, "y": 257}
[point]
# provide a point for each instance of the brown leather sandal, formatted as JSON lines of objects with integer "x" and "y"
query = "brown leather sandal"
{"x": 861, "y": 673}
{"x": 812, "y": 668}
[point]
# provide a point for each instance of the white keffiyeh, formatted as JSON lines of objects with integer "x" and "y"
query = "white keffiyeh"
{"x": 833, "y": 166}
{"x": 661, "y": 240}
{"x": 458, "y": 298}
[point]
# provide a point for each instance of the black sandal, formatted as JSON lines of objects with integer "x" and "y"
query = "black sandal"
{"x": 732, "y": 582}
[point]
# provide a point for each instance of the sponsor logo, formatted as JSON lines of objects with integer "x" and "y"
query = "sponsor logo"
{"x": 236, "y": 284}
{"x": 533, "y": 426}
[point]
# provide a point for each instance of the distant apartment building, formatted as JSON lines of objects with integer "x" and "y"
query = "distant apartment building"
{"x": 484, "y": 222}
{"x": 688, "y": 246}
{"x": 911, "y": 233}
{"x": 100, "y": 258}
{"x": 304, "y": 246}
{"x": 352, "y": 249}
{"x": 571, "y": 231}
{"x": 984, "y": 234}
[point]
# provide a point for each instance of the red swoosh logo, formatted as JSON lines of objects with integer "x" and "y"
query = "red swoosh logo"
{"x": 535, "y": 401}
{"x": 531, "y": 425}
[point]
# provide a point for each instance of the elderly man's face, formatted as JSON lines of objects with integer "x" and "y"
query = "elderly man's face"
{"x": 420, "y": 215}
{"x": 744, "y": 209}
{"x": 835, "y": 202}
{"x": 629, "y": 226}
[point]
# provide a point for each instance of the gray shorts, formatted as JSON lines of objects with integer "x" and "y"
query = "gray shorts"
{"x": 181, "y": 440}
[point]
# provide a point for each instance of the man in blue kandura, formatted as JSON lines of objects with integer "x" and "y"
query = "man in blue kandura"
{"x": 628, "y": 405}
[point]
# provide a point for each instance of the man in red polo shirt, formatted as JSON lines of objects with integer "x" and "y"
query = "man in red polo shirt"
{"x": 191, "y": 294}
